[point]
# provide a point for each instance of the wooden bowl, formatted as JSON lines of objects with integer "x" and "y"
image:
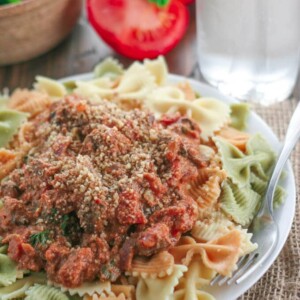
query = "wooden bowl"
{"x": 33, "y": 27}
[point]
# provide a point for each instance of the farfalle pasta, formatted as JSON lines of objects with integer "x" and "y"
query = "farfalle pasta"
{"x": 159, "y": 288}
{"x": 219, "y": 255}
{"x": 191, "y": 284}
{"x": 32, "y": 102}
{"x": 110, "y": 68}
{"x": 235, "y": 137}
{"x": 18, "y": 288}
{"x": 124, "y": 187}
{"x": 239, "y": 115}
{"x": 44, "y": 292}
{"x": 212, "y": 226}
{"x": 160, "y": 265}
{"x": 50, "y": 87}
{"x": 210, "y": 113}
{"x": 10, "y": 121}
{"x": 206, "y": 189}
{"x": 87, "y": 288}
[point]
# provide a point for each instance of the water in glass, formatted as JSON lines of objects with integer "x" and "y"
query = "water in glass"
{"x": 250, "y": 48}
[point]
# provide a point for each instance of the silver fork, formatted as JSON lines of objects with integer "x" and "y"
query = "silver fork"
{"x": 263, "y": 226}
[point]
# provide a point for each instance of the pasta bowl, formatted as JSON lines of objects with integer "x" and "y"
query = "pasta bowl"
{"x": 283, "y": 215}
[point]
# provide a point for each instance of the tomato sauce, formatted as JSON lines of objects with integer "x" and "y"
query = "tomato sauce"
{"x": 100, "y": 186}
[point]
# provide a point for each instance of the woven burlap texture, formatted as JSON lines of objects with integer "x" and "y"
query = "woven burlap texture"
{"x": 282, "y": 281}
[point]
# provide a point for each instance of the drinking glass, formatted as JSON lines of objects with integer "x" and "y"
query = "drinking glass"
{"x": 250, "y": 48}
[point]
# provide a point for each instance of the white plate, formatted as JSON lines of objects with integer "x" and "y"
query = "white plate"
{"x": 284, "y": 215}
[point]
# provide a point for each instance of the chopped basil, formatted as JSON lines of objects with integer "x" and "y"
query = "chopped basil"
{"x": 64, "y": 224}
{"x": 39, "y": 238}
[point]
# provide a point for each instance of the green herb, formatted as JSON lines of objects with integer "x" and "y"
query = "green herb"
{"x": 53, "y": 212}
{"x": 52, "y": 115}
{"x": 52, "y": 216}
{"x": 104, "y": 269}
{"x": 112, "y": 263}
{"x": 25, "y": 159}
{"x": 39, "y": 238}
{"x": 64, "y": 224}
{"x": 160, "y": 3}
{"x": 2, "y": 2}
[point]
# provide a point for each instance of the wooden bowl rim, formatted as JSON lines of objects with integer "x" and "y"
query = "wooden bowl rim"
{"x": 9, "y": 10}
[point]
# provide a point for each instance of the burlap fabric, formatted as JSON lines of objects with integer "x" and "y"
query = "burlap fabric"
{"x": 282, "y": 281}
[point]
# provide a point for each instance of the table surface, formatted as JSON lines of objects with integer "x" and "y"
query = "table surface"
{"x": 83, "y": 49}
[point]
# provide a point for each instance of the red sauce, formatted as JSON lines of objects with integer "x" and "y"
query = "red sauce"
{"x": 101, "y": 186}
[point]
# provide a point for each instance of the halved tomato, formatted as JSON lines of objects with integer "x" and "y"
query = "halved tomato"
{"x": 137, "y": 28}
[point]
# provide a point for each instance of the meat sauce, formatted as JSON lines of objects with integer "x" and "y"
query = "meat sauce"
{"x": 100, "y": 186}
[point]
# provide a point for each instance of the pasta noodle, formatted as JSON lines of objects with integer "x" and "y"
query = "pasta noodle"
{"x": 3, "y": 249}
{"x": 118, "y": 292}
{"x": 136, "y": 83}
{"x": 16, "y": 294}
{"x": 248, "y": 175}
{"x": 239, "y": 115}
{"x": 207, "y": 188}
{"x": 8, "y": 270}
{"x": 258, "y": 147}
{"x": 235, "y": 137}
{"x": 211, "y": 227}
{"x": 18, "y": 288}
{"x": 239, "y": 166}
{"x": 240, "y": 204}
{"x": 49, "y": 86}
{"x": 209, "y": 113}
{"x": 166, "y": 94}
{"x": 159, "y": 265}
{"x": 32, "y": 102}
{"x": 189, "y": 93}
{"x": 8, "y": 166}
{"x": 10, "y": 122}
{"x": 105, "y": 297}
{"x": 88, "y": 288}
{"x": 6, "y": 155}
{"x": 197, "y": 277}
{"x": 127, "y": 290}
{"x": 219, "y": 255}
{"x": 159, "y": 288}
{"x": 102, "y": 87}
{"x": 10, "y": 159}
{"x": 43, "y": 292}
{"x": 246, "y": 245}
{"x": 110, "y": 68}
{"x": 218, "y": 225}
{"x": 158, "y": 68}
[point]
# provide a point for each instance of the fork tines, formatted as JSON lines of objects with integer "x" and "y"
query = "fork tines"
{"x": 242, "y": 266}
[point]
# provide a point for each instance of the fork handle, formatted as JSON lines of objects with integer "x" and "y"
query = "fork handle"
{"x": 291, "y": 139}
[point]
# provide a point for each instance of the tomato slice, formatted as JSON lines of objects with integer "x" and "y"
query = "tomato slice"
{"x": 138, "y": 28}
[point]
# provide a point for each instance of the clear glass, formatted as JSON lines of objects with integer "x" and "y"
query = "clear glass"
{"x": 250, "y": 48}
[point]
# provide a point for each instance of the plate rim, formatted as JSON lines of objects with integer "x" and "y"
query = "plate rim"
{"x": 252, "y": 280}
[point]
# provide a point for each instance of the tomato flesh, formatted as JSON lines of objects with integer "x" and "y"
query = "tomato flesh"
{"x": 138, "y": 28}
{"x": 186, "y": 2}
